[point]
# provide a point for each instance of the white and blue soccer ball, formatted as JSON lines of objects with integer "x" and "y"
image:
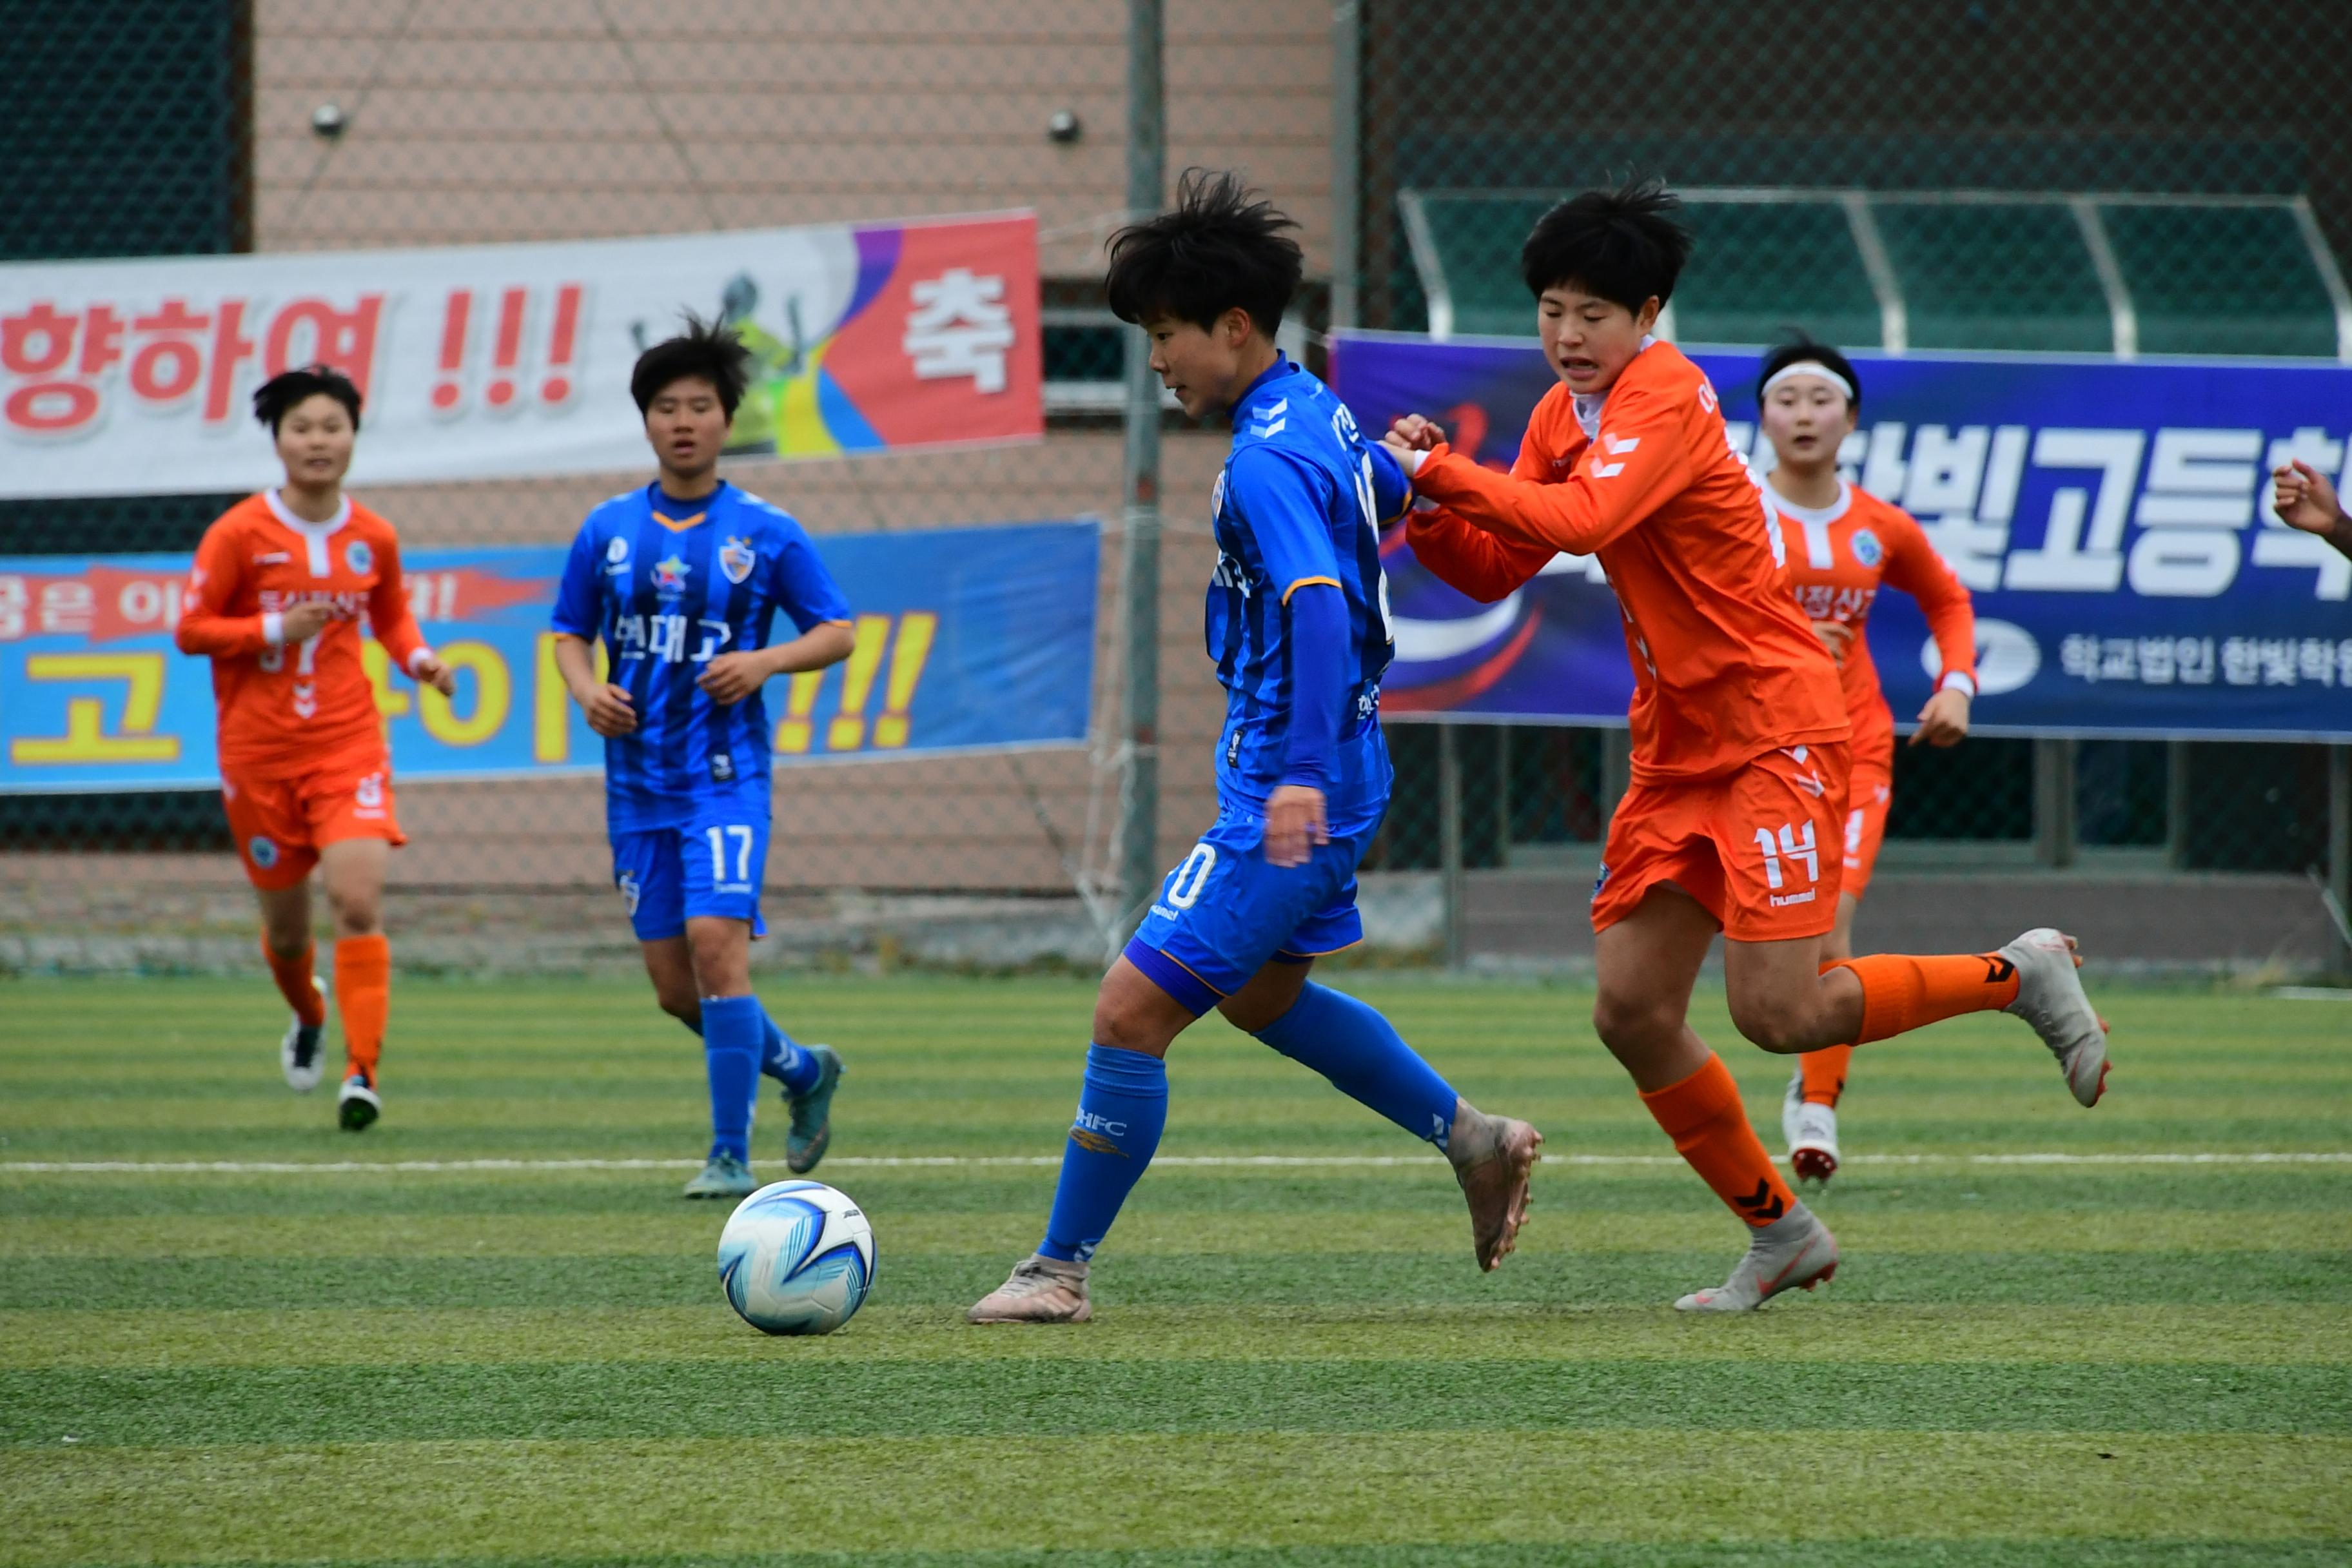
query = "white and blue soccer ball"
{"x": 796, "y": 1258}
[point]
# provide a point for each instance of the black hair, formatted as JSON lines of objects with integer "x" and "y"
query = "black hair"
{"x": 1221, "y": 247}
{"x": 1625, "y": 245}
{"x": 277, "y": 397}
{"x": 707, "y": 351}
{"x": 1801, "y": 349}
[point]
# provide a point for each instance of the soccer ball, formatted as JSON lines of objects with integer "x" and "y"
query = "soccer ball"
{"x": 796, "y": 1258}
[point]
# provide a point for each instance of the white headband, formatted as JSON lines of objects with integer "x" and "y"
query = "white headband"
{"x": 1807, "y": 367}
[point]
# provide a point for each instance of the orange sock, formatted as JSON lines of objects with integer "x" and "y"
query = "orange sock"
{"x": 1824, "y": 1073}
{"x": 1709, "y": 1126}
{"x": 294, "y": 984}
{"x": 1900, "y": 993}
{"x": 364, "y": 994}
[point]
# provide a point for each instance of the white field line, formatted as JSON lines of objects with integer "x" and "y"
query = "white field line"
{"x": 1219, "y": 1162}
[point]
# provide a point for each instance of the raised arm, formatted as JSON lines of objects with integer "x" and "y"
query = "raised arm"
{"x": 1636, "y": 465}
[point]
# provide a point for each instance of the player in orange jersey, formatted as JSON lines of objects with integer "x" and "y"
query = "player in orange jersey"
{"x": 1738, "y": 726}
{"x": 281, "y": 582}
{"x": 1844, "y": 544}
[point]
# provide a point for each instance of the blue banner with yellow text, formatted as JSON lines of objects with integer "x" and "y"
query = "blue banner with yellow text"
{"x": 967, "y": 639}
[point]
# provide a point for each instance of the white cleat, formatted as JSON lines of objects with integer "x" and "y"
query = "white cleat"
{"x": 1042, "y": 1291}
{"x": 1795, "y": 1252}
{"x": 1812, "y": 1141}
{"x": 299, "y": 1054}
{"x": 2049, "y": 997}
{"x": 357, "y": 1105}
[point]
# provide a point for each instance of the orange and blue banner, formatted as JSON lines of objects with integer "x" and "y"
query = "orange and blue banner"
{"x": 968, "y": 639}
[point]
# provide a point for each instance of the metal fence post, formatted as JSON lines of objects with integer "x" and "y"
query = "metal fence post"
{"x": 1616, "y": 773}
{"x": 1138, "y": 566}
{"x": 2339, "y": 845}
{"x": 1449, "y": 838}
{"x": 2176, "y": 804}
{"x": 1347, "y": 143}
{"x": 2054, "y": 803}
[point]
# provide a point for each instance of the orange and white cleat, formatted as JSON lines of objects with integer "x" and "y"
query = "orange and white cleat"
{"x": 1810, "y": 1130}
{"x": 1795, "y": 1252}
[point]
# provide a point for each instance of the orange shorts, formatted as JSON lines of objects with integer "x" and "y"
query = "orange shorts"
{"x": 1758, "y": 847}
{"x": 281, "y": 823}
{"x": 1867, "y": 798}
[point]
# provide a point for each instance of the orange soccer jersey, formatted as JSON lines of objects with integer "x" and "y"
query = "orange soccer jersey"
{"x": 1839, "y": 557}
{"x": 288, "y": 711}
{"x": 1725, "y": 669}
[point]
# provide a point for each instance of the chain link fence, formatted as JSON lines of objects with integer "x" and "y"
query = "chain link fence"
{"x": 1415, "y": 141}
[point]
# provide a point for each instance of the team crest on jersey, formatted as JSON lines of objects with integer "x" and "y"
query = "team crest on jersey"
{"x": 262, "y": 852}
{"x": 617, "y": 550}
{"x": 669, "y": 576}
{"x": 1867, "y": 547}
{"x": 359, "y": 557}
{"x": 736, "y": 558}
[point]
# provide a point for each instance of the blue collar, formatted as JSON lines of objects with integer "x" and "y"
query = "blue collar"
{"x": 660, "y": 501}
{"x": 1273, "y": 372}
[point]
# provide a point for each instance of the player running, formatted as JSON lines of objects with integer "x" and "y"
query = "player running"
{"x": 1738, "y": 727}
{"x": 281, "y": 582}
{"x": 681, "y": 581}
{"x": 1297, "y": 623}
{"x": 1842, "y": 544}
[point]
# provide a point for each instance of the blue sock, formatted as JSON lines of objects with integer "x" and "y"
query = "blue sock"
{"x": 1364, "y": 1057}
{"x": 730, "y": 1054}
{"x": 1121, "y": 1109}
{"x": 781, "y": 1058}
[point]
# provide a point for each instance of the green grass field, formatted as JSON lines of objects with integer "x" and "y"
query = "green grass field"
{"x": 2110, "y": 1360}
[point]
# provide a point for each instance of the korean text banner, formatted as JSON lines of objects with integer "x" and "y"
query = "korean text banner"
{"x": 133, "y": 377}
{"x": 967, "y": 639}
{"x": 2112, "y": 519}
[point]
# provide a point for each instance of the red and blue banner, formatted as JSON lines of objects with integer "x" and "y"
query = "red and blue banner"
{"x": 968, "y": 639}
{"x": 133, "y": 377}
{"x": 2112, "y": 519}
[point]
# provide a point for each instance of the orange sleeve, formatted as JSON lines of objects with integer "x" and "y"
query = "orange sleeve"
{"x": 388, "y": 615}
{"x": 1478, "y": 565}
{"x": 1640, "y": 461}
{"x": 1913, "y": 565}
{"x": 206, "y": 625}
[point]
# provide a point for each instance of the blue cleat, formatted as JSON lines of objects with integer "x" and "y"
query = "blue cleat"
{"x": 812, "y": 1110}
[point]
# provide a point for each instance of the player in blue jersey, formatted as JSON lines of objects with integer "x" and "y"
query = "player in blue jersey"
{"x": 1297, "y": 622}
{"x": 680, "y": 581}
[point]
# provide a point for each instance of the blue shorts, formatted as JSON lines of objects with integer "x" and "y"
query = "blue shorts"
{"x": 1224, "y": 914}
{"x": 711, "y": 866}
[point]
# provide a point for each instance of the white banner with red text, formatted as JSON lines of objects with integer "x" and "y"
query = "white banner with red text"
{"x": 134, "y": 377}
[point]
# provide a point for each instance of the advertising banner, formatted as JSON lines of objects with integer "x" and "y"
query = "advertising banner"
{"x": 133, "y": 377}
{"x": 967, "y": 639}
{"x": 2111, "y": 517}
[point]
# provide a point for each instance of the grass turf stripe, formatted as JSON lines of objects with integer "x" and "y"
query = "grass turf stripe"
{"x": 1824, "y": 1331}
{"x": 1246, "y": 1161}
{"x": 282, "y": 1504}
{"x": 907, "y": 1231}
{"x": 774, "y": 1396}
{"x": 950, "y": 1282}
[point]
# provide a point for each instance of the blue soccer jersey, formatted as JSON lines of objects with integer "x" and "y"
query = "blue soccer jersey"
{"x": 1300, "y": 504}
{"x": 669, "y": 585}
